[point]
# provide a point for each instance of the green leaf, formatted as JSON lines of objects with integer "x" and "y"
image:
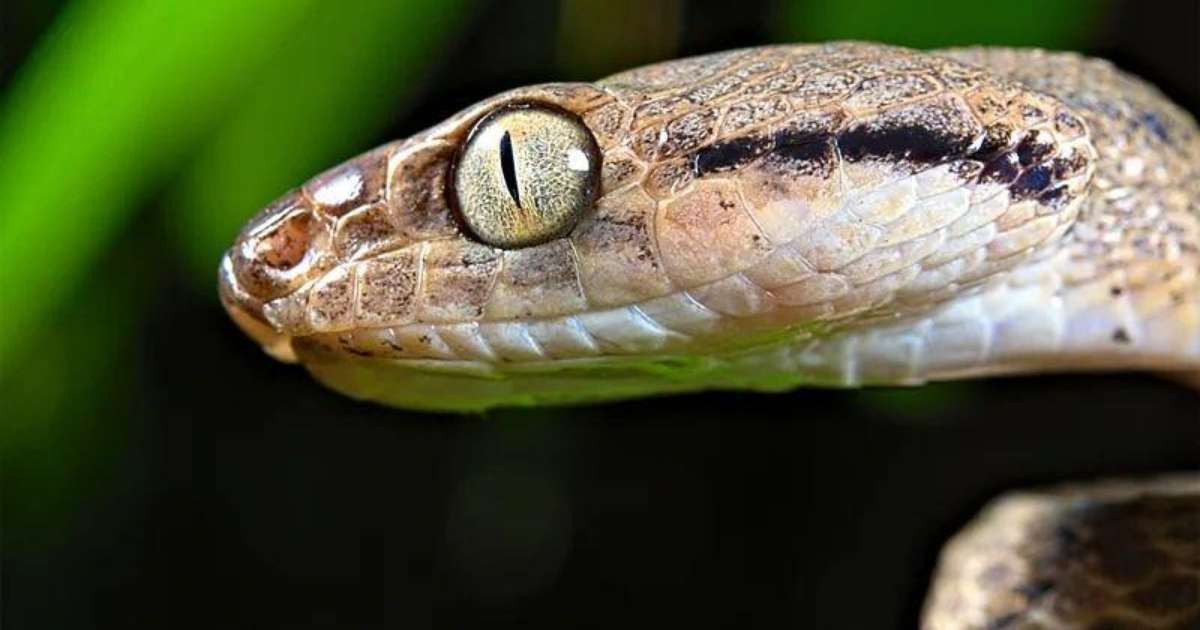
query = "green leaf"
{"x": 328, "y": 94}
{"x": 932, "y": 23}
{"x": 111, "y": 98}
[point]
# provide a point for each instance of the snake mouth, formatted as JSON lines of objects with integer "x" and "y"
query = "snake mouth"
{"x": 247, "y": 312}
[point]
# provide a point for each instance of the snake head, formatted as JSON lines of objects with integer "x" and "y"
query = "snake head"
{"x": 345, "y": 250}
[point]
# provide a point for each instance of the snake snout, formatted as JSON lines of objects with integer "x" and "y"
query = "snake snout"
{"x": 247, "y": 312}
{"x": 280, "y": 249}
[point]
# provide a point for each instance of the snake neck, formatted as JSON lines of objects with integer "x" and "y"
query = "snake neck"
{"x": 1121, "y": 289}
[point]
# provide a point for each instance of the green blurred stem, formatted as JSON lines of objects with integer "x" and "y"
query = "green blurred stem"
{"x": 1055, "y": 24}
{"x": 328, "y": 96}
{"x": 113, "y": 96}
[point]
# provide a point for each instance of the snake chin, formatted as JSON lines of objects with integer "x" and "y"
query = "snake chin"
{"x": 246, "y": 312}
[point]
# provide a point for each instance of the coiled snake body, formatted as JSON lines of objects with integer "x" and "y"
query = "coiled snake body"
{"x": 837, "y": 215}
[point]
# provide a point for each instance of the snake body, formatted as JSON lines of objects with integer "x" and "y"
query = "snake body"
{"x": 1114, "y": 554}
{"x": 837, "y": 215}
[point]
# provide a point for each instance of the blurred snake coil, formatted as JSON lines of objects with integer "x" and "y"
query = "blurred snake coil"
{"x": 836, "y": 215}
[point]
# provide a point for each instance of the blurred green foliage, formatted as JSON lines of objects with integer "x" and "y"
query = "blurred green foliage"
{"x": 115, "y": 93}
{"x": 118, "y": 100}
{"x": 120, "y": 93}
{"x": 328, "y": 93}
{"x": 600, "y": 37}
{"x": 933, "y": 23}
{"x": 58, "y": 436}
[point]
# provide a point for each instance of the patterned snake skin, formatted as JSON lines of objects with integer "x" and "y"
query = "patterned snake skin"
{"x": 1108, "y": 556}
{"x": 836, "y": 215}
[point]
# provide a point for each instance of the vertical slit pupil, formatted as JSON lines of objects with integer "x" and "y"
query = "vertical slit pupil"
{"x": 509, "y": 168}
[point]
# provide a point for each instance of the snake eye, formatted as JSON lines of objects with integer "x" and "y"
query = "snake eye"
{"x": 526, "y": 175}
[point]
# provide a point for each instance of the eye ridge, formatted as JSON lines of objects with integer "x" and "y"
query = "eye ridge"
{"x": 509, "y": 168}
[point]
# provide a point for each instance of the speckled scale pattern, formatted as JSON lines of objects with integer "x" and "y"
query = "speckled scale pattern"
{"x": 1100, "y": 556}
{"x": 1145, "y": 209}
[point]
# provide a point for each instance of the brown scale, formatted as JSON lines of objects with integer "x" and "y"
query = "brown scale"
{"x": 538, "y": 281}
{"x": 458, "y": 278}
{"x": 417, "y": 189}
{"x": 685, "y": 225}
{"x": 387, "y": 288}
{"x": 741, "y": 116}
{"x": 620, "y": 171}
{"x": 352, "y": 184}
{"x": 618, "y": 257}
{"x": 365, "y": 231}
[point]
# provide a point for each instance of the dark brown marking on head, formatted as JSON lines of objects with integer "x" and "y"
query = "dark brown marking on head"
{"x": 997, "y": 137}
{"x": 909, "y": 142}
{"x": 1034, "y": 147}
{"x": 803, "y": 155}
{"x": 1001, "y": 170}
{"x": 920, "y": 134}
{"x": 1031, "y": 182}
{"x": 730, "y": 155}
{"x": 1069, "y": 165}
{"x": 1056, "y": 197}
{"x": 792, "y": 149}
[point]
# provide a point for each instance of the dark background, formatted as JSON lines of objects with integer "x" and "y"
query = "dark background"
{"x": 159, "y": 470}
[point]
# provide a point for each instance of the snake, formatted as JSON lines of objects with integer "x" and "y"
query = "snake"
{"x": 842, "y": 214}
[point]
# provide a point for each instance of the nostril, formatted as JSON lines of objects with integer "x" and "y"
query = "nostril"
{"x": 286, "y": 245}
{"x": 280, "y": 249}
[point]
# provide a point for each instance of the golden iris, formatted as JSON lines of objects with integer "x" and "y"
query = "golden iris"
{"x": 526, "y": 175}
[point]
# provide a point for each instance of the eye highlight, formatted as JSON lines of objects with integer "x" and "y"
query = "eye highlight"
{"x": 526, "y": 175}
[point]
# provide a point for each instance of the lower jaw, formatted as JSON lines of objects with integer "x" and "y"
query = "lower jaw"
{"x": 1010, "y": 328}
{"x": 467, "y": 387}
